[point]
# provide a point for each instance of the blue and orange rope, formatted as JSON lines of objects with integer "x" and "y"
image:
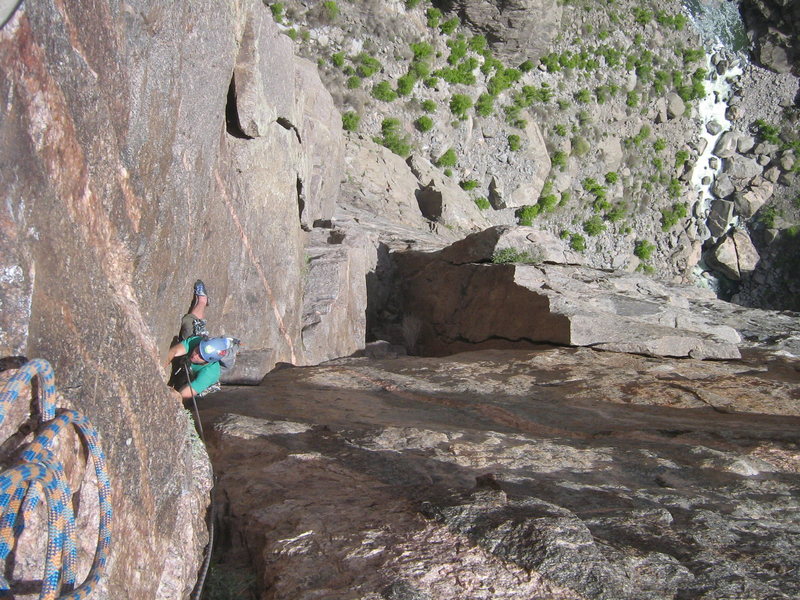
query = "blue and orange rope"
{"x": 39, "y": 475}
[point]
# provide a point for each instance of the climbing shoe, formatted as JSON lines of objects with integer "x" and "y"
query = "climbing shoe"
{"x": 200, "y": 289}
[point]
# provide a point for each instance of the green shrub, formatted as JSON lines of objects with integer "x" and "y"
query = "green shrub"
{"x": 559, "y": 160}
{"x": 560, "y": 130}
{"x": 277, "y": 11}
{"x": 617, "y": 213}
{"x": 450, "y": 26}
{"x": 448, "y": 172}
{"x": 477, "y": 43}
{"x": 405, "y": 84}
{"x": 674, "y": 188}
{"x": 469, "y": 184}
{"x": 514, "y": 142}
{"x": 482, "y": 203}
{"x": 291, "y": 33}
{"x": 577, "y": 242}
{"x": 564, "y": 234}
{"x": 424, "y": 123}
{"x": 580, "y": 146}
{"x": 502, "y": 80}
{"x": 767, "y": 216}
{"x": 367, "y": 65}
{"x": 526, "y": 215}
{"x": 490, "y": 64}
{"x": 769, "y": 133}
{"x": 392, "y": 138}
{"x": 643, "y": 134}
{"x": 383, "y": 91}
{"x": 548, "y": 202}
{"x": 671, "y": 216}
{"x": 434, "y": 16}
{"x": 484, "y": 106}
{"x": 681, "y": 156}
{"x": 565, "y": 197}
{"x": 511, "y": 255}
{"x": 429, "y": 106}
{"x": 448, "y": 159}
{"x": 411, "y": 4}
{"x": 643, "y": 249}
{"x": 594, "y": 226}
{"x": 690, "y": 56}
{"x": 583, "y": 96}
{"x": 431, "y": 82}
{"x": 338, "y": 59}
{"x": 419, "y": 69}
{"x": 460, "y": 104}
{"x": 350, "y": 121}
{"x": 632, "y": 99}
{"x": 331, "y": 10}
{"x": 611, "y": 177}
{"x": 526, "y": 66}
{"x": 353, "y": 82}
{"x": 421, "y": 50}
{"x": 659, "y": 145}
{"x": 458, "y": 49}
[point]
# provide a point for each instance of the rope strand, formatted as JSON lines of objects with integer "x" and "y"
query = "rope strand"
{"x": 40, "y": 474}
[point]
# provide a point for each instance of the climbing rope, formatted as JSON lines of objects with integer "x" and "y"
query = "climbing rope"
{"x": 201, "y": 578}
{"x": 39, "y": 475}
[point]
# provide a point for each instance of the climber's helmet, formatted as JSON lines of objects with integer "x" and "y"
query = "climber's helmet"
{"x": 214, "y": 350}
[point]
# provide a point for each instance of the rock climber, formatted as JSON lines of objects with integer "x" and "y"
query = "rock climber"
{"x": 201, "y": 354}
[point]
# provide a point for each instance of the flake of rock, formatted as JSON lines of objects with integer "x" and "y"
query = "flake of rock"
{"x": 742, "y": 167}
{"x": 723, "y": 186}
{"x": 745, "y": 143}
{"x": 719, "y": 218}
{"x": 726, "y": 144}
{"x": 675, "y": 105}
{"x": 749, "y": 201}
{"x": 713, "y": 127}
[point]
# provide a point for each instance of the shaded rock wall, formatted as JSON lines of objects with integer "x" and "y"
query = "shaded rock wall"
{"x": 143, "y": 145}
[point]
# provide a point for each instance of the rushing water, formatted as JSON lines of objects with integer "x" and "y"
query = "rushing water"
{"x": 719, "y": 22}
{"x": 720, "y": 26}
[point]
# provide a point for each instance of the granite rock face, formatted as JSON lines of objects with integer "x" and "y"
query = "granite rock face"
{"x": 555, "y": 473}
{"x": 452, "y": 299}
{"x": 509, "y": 28}
{"x": 145, "y": 145}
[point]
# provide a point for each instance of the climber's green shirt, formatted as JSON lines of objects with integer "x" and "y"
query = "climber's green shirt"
{"x": 205, "y": 375}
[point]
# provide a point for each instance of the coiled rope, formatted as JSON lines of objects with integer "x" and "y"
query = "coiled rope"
{"x": 40, "y": 474}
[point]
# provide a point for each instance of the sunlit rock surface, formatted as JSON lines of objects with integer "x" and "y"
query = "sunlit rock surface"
{"x": 553, "y": 473}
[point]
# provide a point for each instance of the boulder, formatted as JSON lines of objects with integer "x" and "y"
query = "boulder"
{"x": 455, "y": 304}
{"x": 538, "y": 246}
{"x": 535, "y": 150}
{"x": 719, "y": 218}
{"x": 380, "y": 182}
{"x": 611, "y": 152}
{"x": 742, "y": 167}
{"x": 442, "y": 200}
{"x": 726, "y": 144}
{"x": 675, "y": 106}
{"x": 753, "y": 198}
{"x": 735, "y": 257}
{"x": 745, "y": 143}
{"x": 507, "y": 24}
{"x": 723, "y": 186}
{"x": 335, "y": 293}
